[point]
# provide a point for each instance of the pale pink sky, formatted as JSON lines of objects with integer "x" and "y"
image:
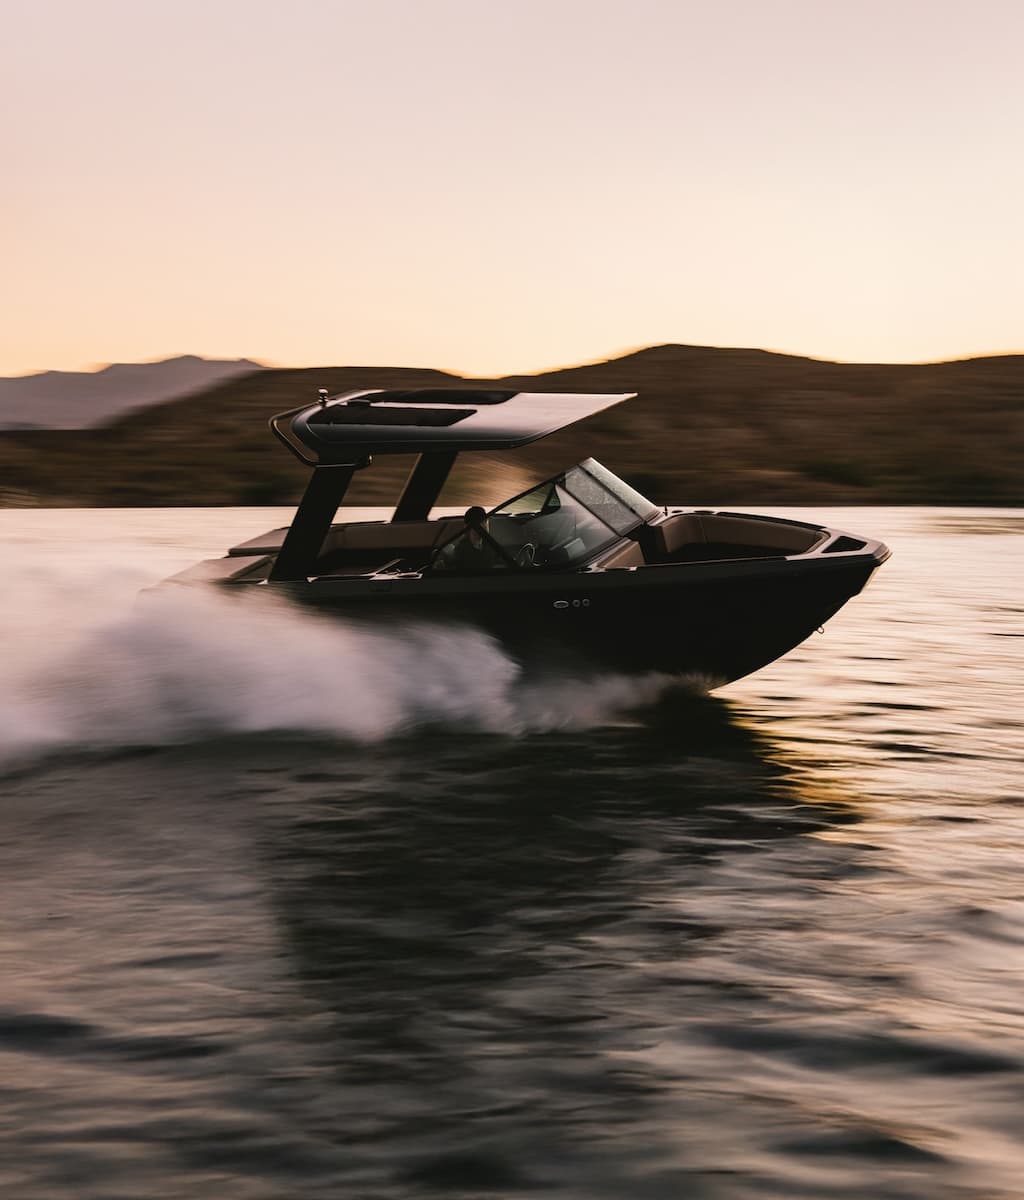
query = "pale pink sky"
{"x": 494, "y": 187}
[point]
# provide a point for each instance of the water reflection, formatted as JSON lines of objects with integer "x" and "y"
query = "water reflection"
{"x": 984, "y": 522}
{"x": 492, "y": 926}
{"x": 658, "y": 958}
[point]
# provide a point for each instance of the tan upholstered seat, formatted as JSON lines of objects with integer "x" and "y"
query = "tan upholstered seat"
{"x": 683, "y": 529}
{"x": 388, "y": 535}
{"x": 748, "y": 534}
{"x": 772, "y": 535}
{"x": 628, "y": 554}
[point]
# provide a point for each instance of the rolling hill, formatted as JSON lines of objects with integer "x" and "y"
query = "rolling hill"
{"x": 80, "y": 399}
{"x": 709, "y": 426}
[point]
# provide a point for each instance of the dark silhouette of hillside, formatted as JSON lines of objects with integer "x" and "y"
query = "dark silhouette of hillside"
{"x": 80, "y": 399}
{"x": 709, "y": 426}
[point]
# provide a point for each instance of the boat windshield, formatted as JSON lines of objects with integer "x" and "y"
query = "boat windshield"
{"x": 559, "y": 523}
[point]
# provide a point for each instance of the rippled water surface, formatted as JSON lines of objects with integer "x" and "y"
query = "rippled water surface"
{"x": 296, "y": 910}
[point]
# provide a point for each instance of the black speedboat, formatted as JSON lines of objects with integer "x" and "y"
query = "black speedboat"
{"x": 580, "y": 567}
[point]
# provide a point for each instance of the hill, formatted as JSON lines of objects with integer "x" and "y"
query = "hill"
{"x": 79, "y": 399}
{"x": 709, "y": 426}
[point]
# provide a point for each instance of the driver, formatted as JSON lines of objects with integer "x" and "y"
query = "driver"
{"x": 472, "y": 550}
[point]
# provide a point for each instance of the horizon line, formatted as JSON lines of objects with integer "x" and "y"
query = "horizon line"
{"x": 95, "y": 368}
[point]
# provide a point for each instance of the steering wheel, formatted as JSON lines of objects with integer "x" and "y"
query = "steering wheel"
{"x": 526, "y": 555}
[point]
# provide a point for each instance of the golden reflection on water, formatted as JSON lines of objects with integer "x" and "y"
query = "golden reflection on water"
{"x": 917, "y": 686}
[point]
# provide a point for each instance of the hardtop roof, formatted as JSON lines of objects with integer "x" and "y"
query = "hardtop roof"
{"x": 379, "y": 421}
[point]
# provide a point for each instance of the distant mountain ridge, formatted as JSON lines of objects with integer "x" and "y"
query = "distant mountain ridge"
{"x": 709, "y": 426}
{"x": 83, "y": 399}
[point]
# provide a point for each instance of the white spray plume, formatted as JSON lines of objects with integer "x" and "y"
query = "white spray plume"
{"x": 85, "y": 664}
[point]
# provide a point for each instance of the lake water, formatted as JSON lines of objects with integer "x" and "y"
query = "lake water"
{"x": 295, "y": 911}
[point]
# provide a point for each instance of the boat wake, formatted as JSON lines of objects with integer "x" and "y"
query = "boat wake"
{"x": 89, "y": 666}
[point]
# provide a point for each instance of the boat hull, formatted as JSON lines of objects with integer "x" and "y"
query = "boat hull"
{"x": 715, "y": 621}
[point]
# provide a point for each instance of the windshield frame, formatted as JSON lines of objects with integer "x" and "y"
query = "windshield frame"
{"x": 650, "y": 509}
{"x": 635, "y": 510}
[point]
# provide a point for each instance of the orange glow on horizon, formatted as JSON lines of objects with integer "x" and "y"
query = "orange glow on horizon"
{"x": 480, "y": 227}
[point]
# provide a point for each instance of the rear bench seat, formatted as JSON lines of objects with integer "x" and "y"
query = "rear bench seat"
{"x": 390, "y": 535}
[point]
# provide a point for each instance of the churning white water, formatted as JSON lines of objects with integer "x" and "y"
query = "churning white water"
{"x": 88, "y": 661}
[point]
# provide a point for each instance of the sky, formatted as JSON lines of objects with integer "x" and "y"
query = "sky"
{"x": 492, "y": 187}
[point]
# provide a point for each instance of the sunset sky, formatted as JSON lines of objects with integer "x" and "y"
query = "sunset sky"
{"x": 493, "y": 187}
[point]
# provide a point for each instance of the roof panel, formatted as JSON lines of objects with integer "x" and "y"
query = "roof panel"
{"x": 438, "y": 396}
{"x": 388, "y": 414}
{"x": 355, "y": 423}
